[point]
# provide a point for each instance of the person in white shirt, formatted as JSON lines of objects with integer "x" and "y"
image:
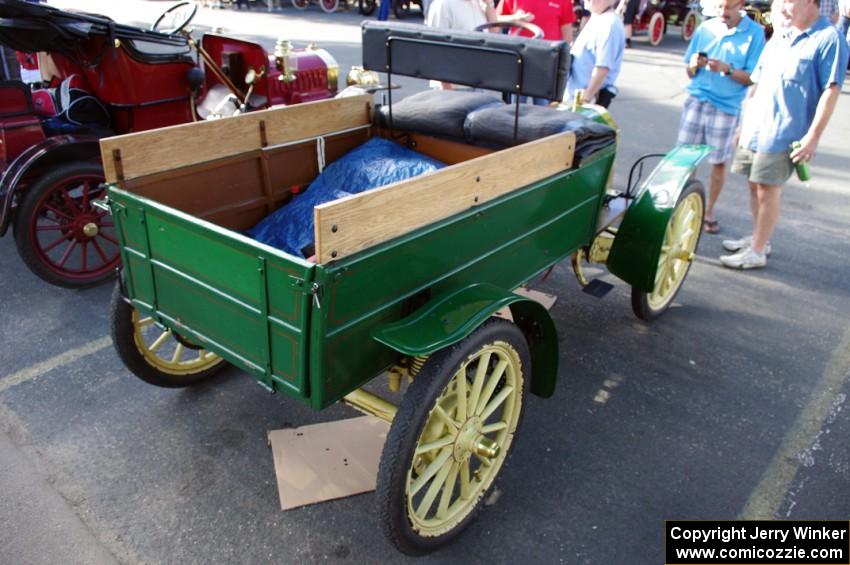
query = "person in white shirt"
{"x": 460, "y": 14}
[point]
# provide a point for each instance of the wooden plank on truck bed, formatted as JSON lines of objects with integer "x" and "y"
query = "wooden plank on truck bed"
{"x": 138, "y": 154}
{"x": 354, "y": 223}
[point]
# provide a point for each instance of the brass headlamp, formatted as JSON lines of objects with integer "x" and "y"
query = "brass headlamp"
{"x": 286, "y": 60}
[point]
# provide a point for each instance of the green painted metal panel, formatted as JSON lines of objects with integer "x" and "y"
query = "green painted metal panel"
{"x": 445, "y": 320}
{"x": 243, "y": 300}
{"x": 450, "y": 318}
{"x": 637, "y": 247}
{"x": 504, "y": 243}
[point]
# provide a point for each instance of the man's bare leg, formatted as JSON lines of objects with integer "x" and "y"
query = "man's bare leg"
{"x": 718, "y": 177}
{"x": 769, "y": 198}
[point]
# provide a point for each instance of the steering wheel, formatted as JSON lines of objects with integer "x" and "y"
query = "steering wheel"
{"x": 177, "y": 17}
{"x": 536, "y": 31}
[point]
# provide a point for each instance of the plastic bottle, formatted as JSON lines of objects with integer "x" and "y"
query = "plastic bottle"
{"x": 803, "y": 172}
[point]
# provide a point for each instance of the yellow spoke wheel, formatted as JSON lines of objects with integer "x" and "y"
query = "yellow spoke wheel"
{"x": 681, "y": 238}
{"x": 155, "y": 355}
{"x": 451, "y": 436}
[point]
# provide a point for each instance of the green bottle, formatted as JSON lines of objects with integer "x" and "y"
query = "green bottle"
{"x": 803, "y": 172}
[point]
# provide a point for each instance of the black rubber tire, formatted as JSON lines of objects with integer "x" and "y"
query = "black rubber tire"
{"x": 407, "y": 426}
{"x": 640, "y": 299}
{"x": 122, "y": 330}
{"x": 23, "y": 221}
{"x": 401, "y": 8}
{"x": 367, "y": 7}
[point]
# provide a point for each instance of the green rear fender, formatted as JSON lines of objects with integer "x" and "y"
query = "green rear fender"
{"x": 637, "y": 247}
{"x": 450, "y": 317}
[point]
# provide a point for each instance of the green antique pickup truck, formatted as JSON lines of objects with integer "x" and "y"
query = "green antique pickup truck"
{"x": 405, "y": 279}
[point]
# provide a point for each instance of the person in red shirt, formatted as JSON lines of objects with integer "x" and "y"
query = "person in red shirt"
{"x": 554, "y": 17}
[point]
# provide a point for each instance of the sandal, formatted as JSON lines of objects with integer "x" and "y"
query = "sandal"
{"x": 711, "y": 226}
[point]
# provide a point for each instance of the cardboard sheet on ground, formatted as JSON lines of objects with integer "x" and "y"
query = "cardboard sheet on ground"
{"x": 327, "y": 461}
{"x": 547, "y": 300}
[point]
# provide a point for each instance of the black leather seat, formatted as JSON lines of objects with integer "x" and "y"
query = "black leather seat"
{"x": 495, "y": 126}
{"x": 482, "y": 118}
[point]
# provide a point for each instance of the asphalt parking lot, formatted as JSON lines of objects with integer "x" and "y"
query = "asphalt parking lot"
{"x": 733, "y": 405}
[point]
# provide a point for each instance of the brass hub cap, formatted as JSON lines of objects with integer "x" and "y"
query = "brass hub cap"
{"x": 465, "y": 440}
{"x": 91, "y": 229}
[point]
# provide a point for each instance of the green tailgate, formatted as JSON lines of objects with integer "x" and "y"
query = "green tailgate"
{"x": 245, "y": 301}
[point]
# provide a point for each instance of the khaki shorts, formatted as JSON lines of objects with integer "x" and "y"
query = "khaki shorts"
{"x": 763, "y": 168}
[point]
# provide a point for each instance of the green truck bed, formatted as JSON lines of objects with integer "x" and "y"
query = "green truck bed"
{"x": 307, "y": 329}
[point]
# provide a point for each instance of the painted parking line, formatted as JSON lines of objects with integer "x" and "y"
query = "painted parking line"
{"x": 825, "y": 400}
{"x": 34, "y": 371}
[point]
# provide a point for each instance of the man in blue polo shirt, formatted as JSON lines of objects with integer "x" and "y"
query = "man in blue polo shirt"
{"x": 722, "y": 54}
{"x": 797, "y": 84}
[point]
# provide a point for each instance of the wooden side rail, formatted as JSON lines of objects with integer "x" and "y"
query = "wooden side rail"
{"x": 348, "y": 225}
{"x": 140, "y": 154}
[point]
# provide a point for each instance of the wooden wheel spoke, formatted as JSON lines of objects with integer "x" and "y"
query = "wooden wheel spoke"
{"x": 478, "y": 381}
{"x": 53, "y": 227}
{"x": 57, "y": 242}
{"x": 178, "y": 353}
{"x": 434, "y": 489}
{"x": 160, "y": 341}
{"x": 69, "y": 201}
{"x": 108, "y": 237}
{"x": 57, "y": 211}
{"x": 671, "y": 279}
{"x": 447, "y": 420}
{"x": 448, "y": 491}
{"x": 144, "y": 322}
{"x": 437, "y": 444}
{"x": 460, "y": 391}
{"x": 484, "y": 461}
{"x": 465, "y": 483}
{"x": 430, "y": 471}
{"x": 496, "y": 402}
{"x": 491, "y": 385}
{"x": 84, "y": 254}
{"x": 86, "y": 186}
{"x": 99, "y": 250}
{"x": 495, "y": 427}
{"x": 67, "y": 254}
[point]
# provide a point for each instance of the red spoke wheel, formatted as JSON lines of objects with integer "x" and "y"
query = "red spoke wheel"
{"x": 657, "y": 27}
{"x": 301, "y": 4}
{"x": 689, "y": 25}
{"x": 60, "y": 235}
{"x": 329, "y": 6}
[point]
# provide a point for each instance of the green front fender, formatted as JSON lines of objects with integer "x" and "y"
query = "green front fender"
{"x": 637, "y": 247}
{"x": 450, "y": 317}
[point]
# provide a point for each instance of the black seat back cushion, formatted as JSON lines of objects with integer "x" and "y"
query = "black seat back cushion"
{"x": 492, "y": 61}
{"x": 495, "y": 126}
{"x": 436, "y": 112}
